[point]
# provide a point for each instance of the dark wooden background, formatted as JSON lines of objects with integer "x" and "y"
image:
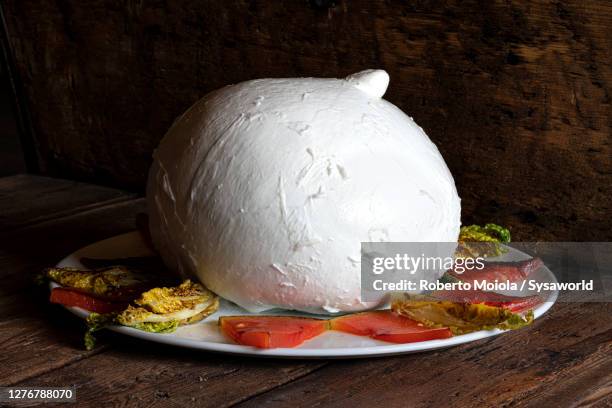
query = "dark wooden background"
{"x": 516, "y": 94}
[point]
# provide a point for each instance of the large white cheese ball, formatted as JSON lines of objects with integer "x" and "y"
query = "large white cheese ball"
{"x": 265, "y": 190}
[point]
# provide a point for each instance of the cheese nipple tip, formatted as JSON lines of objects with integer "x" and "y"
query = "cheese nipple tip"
{"x": 373, "y": 82}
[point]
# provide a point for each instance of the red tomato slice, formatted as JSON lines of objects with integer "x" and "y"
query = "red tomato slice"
{"x": 271, "y": 331}
{"x": 512, "y": 303}
{"x": 70, "y": 297}
{"x": 388, "y": 326}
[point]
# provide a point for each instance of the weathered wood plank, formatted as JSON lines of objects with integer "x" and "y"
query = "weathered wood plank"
{"x": 589, "y": 387}
{"x": 564, "y": 357}
{"x": 27, "y": 199}
{"x": 515, "y": 94}
{"x": 157, "y": 375}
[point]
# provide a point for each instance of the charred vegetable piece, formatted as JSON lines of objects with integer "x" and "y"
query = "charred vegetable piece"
{"x": 162, "y": 310}
{"x": 113, "y": 283}
{"x": 512, "y": 303}
{"x": 71, "y": 297}
{"x": 460, "y": 318}
{"x": 271, "y": 331}
{"x": 475, "y": 241}
{"x": 388, "y": 326}
{"x": 488, "y": 233}
{"x": 501, "y": 271}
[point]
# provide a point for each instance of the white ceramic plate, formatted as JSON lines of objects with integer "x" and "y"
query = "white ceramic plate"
{"x": 205, "y": 335}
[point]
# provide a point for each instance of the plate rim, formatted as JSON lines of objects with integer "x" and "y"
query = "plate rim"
{"x": 294, "y": 353}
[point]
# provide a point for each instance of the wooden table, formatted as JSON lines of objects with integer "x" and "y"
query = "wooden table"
{"x": 564, "y": 359}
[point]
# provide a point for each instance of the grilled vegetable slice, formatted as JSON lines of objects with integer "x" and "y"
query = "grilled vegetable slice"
{"x": 475, "y": 241}
{"x": 488, "y": 233}
{"x": 162, "y": 310}
{"x": 388, "y": 326}
{"x": 271, "y": 331}
{"x": 114, "y": 283}
{"x": 460, "y": 318}
{"x": 71, "y": 297}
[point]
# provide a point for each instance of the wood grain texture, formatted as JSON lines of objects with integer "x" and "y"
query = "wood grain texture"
{"x": 158, "y": 375}
{"x": 28, "y": 200}
{"x": 516, "y": 94}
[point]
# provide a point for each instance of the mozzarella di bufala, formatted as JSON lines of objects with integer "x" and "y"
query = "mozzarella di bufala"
{"x": 265, "y": 189}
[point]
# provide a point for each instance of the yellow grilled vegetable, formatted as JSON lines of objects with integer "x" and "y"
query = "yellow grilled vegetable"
{"x": 105, "y": 282}
{"x": 162, "y": 310}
